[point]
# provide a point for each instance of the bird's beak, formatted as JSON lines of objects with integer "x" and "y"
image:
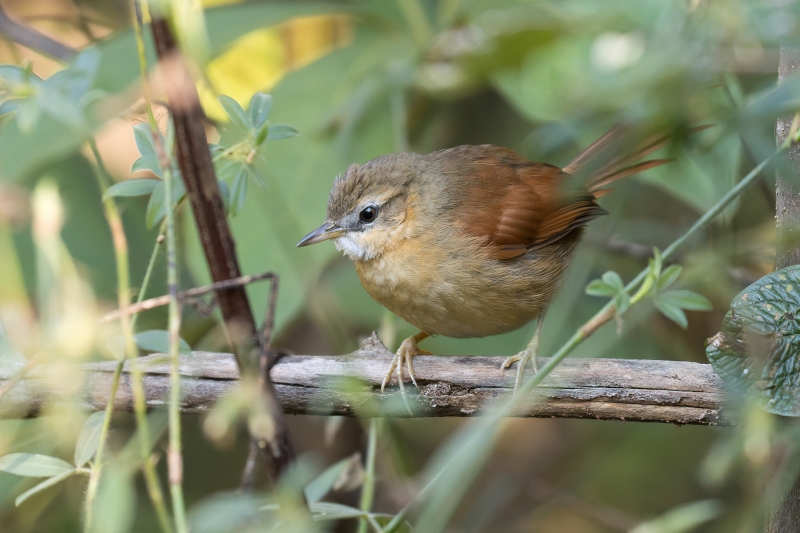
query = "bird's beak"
{"x": 322, "y": 233}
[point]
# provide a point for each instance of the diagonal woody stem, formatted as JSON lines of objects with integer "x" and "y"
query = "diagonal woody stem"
{"x": 197, "y": 169}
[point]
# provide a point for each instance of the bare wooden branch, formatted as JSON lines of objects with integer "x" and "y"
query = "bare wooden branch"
{"x": 159, "y": 301}
{"x": 610, "y": 389}
{"x": 34, "y": 39}
{"x": 197, "y": 170}
{"x": 785, "y": 514}
{"x": 787, "y": 187}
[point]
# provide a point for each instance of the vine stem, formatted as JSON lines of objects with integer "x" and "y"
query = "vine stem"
{"x": 97, "y": 464}
{"x": 174, "y": 454}
{"x": 368, "y": 487}
{"x": 131, "y": 353}
{"x": 472, "y": 444}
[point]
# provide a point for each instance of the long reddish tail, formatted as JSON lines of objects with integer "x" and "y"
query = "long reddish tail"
{"x": 609, "y": 158}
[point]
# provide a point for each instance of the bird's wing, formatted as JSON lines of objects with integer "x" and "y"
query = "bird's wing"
{"x": 517, "y": 205}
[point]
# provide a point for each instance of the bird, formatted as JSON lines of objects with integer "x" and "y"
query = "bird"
{"x": 475, "y": 240}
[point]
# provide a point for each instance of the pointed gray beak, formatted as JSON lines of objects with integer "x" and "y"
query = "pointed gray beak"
{"x": 322, "y": 233}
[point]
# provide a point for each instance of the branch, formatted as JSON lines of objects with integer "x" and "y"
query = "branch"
{"x": 160, "y": 301}
{"x": 610, "y": 389}
{"x": 787, "y": 189}
{"x": 785, "y": 512}
{"x": 34, "y": 39}
{"x": 197, "y": 170}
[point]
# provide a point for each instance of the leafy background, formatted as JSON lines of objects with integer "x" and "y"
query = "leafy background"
{"x": 363, "y": 79}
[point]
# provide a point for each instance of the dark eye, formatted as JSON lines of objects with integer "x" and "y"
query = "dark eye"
{"x": 368, "y": 215}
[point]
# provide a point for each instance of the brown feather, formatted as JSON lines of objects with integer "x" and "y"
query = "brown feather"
{"x": 521, "y": 206}
{"x": 625, "y": 172}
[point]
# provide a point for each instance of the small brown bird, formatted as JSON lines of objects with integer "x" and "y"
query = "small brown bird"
{"x": 471, "y": 241}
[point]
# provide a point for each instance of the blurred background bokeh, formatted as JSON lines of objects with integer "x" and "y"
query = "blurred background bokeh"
{"x": 363, "y": 79}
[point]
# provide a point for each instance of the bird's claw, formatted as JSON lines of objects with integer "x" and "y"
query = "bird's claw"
{"x": 408, "y": 349}
{"x": 523, "y": 357}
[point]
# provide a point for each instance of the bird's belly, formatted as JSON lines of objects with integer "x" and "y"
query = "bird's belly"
{"x": 469, "y": 295}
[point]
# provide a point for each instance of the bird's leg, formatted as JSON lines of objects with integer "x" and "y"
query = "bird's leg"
{"x": 408, "y": 349}
{"x": 530, "y": 352}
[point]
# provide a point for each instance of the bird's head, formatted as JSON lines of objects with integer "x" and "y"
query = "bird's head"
{"x": 368, "y": 207}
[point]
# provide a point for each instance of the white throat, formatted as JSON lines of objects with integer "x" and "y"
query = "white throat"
{"x": 350, "y": 244}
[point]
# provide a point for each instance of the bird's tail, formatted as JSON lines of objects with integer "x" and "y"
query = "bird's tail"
{"x": 609, "y": 158}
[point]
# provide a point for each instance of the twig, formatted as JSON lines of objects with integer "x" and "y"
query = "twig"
{"x": 249, "y": 470}
{"x": 34, "y": 39}
{"x": 131, "y": 352}
{"x": 197, "y": 170}
{"x": 160, "y": 301}
{"x": 368, "y": 487}
{"x": 266, "y": 359}
{"x": 98, "y": 460}
{"x": 785, "y": 512}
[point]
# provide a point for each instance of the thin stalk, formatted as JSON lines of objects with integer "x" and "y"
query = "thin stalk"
{"x": 174, "y": 457}
{"x": 97, "y": 464}
{"x": 491, "y": 424}
{"x": 368, "y": 487}
{"x": 137, "y": 28}
{"x": 131, "y": 353}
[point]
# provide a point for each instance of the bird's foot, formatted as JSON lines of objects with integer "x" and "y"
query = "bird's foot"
{"x": 408, "y": 349}
{"x": 529, "y": 354}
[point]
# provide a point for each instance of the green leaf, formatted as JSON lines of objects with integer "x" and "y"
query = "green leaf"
{"x": 156, "y": 207}
{"x": 227, "y": 168}
{"x": 668, "y": 277}
{"x": 622, "y": 302}
{"x": 28, "y": 115}
{"x": 656, "y": 262}
{"x": 49, "y": 482}
{"x": 758, "y": 347}
{"x": 148, "y": 162}
{"x": 116, "y": 501}
{"x": 130, "y": 458}
{"x": 686, "y": 300}
{"x": 683, "y": 518}
{"x": 334, "y": 511}
{"x": 612, "y": 279}
{"x": 600, "y": 288}
{"x": 671, "y": 311}
{"x": 260, "y": 106}
{"x": 137, "y": 187}
{"x": 157, "y": 340}
{"x": 144, "y": 139}
{"x": 281, "y": 131}
{"x": 235, "y": 112}
{"x": 229, "y": 513}
{"x": 323, "y": 483}
{"x": 33, "y": 465}
{"x": 238, "y": 190}
{"x": 261, "y": 134}
{"x": 653, "y": 273}
{"x": 89, "y": 439}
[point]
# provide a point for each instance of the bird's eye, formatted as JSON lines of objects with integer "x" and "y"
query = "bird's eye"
{"x": 369, "y": 214}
